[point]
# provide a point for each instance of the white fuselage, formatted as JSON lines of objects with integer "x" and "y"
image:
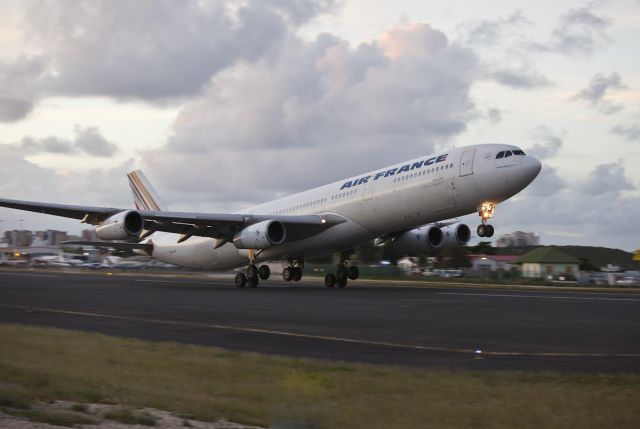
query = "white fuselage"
{"x": 399, "y": 197}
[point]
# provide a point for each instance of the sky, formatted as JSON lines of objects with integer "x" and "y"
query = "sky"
{"x": 229, "y": 104}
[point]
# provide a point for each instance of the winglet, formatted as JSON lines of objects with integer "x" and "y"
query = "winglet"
{"x": 144, "y": 196}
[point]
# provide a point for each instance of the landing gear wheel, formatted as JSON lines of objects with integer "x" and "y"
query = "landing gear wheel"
{"x": 353, "y": 272}
{"x": 330, "y": 280}
{"x": 287, "y": 274}
{"x": 482, "y": 230}
{"x": 341, "y": 282}
{"x": 252, "y": 271}
{"x": 488, "y": 231}
{"x": 264, "y": 272}
{"x": 240, "y": 280}
{"x": 253, "y": 281}
{"x": 341, "y": 273}
{"x": 297, "y": 273}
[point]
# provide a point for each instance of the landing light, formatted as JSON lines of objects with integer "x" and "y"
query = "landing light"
{"x": 486, "y": 210}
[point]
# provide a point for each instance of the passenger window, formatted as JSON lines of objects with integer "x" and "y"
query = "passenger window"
{"x": 507, "y": 154}
{"x": 500, "y": 155}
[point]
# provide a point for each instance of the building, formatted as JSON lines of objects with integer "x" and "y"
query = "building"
{"x": 49, "y": 237}
{"x": 18, "y": 238}
{"x": 518, "y": 239}
{"x": 548, "y": 262}
{"x": 493, "y": 262}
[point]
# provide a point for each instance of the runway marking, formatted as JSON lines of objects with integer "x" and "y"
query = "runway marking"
{"x": 32, "y": 275}
{"x": 473, "y": 352}
{"x": 177, "y": 282}
{"x": 504, "y": 295}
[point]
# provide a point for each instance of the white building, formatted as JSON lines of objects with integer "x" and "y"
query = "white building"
{"x": 518, "y": 239}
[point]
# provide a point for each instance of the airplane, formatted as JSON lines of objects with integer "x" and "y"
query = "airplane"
{"x": 409, "y": 205}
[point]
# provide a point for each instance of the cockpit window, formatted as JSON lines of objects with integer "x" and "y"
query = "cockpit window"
{"x": 500, "y": 155}
{"x": 518, "y": 152}
{"x": 507, "y": 154}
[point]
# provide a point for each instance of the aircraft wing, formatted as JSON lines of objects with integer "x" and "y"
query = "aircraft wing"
{"x": 216, "y": 225}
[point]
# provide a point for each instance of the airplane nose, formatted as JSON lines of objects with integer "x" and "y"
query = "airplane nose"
{"x": 531, "y": 166}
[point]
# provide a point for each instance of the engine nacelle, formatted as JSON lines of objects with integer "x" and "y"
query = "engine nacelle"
{"x": 419, "y": 240}
{"x": 261, "y": 235}
{"x": 458, "y": 234}
{"x": 122, "y": 226}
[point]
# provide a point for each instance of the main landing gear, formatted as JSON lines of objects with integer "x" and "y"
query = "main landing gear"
{"x": 252, "y": 275}
{"x": 344, "y": 272}
{"x": 293, "y": 272}
{"x": 486, "y": 212}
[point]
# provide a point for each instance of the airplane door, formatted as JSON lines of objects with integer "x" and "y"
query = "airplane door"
{"x": 466, "y": 163}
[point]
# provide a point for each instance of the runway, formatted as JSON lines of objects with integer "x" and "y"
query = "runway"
{"x": 434, "y": 326}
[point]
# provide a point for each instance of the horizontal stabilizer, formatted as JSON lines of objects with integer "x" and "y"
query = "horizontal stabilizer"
{"x": 146, "y": 247}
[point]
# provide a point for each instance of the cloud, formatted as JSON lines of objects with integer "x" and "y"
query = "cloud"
{"x": 155, "y": 50}
{"x": 18, "y": 78}
{"x": 595, "y": 93}
{"x": 489, "y": 33}
{"x": 579, "y": 32}
{"x": 88, "y": 141}
{"x": 313, "y": 109}
{"x": 548, "y": 183}
{"x": 607, "y": 179}
{"x": 630, "y": 132}
{"x": 579, "y": 210}
{"x": 547, "y": 143}
{"x": 503, "y": 47}
{"x": 522, "y": 78}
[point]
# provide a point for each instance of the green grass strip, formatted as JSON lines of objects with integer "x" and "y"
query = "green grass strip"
{"x": 42, "y": 364}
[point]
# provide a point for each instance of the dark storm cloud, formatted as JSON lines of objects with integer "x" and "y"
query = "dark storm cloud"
{"x": 598, "y": 88}
{"x": 546, "y": 143}
{"x": 155, "y": 49}
{"x": 87, "y": 141}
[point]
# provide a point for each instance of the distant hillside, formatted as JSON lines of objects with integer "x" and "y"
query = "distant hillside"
{"x": 598, "y": 256}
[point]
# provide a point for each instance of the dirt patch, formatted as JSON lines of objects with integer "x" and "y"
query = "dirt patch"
{"x": 70, "y": 414}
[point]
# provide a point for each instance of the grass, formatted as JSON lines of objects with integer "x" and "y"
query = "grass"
{"x": 130, "y": 417}
{"x": 41, "y": 364}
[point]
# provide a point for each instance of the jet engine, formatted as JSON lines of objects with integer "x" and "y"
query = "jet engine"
{"x": 419, "y": 240}
{"x": 456, "y": 235}
{"x": 261, "y": 235}
{"x": 121, "y": 226}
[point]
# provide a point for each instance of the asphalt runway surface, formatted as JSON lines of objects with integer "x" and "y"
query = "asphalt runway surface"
{"x": 434, "y": 326}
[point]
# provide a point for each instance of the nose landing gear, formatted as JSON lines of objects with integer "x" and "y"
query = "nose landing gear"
{"x": 486, "y": 212}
